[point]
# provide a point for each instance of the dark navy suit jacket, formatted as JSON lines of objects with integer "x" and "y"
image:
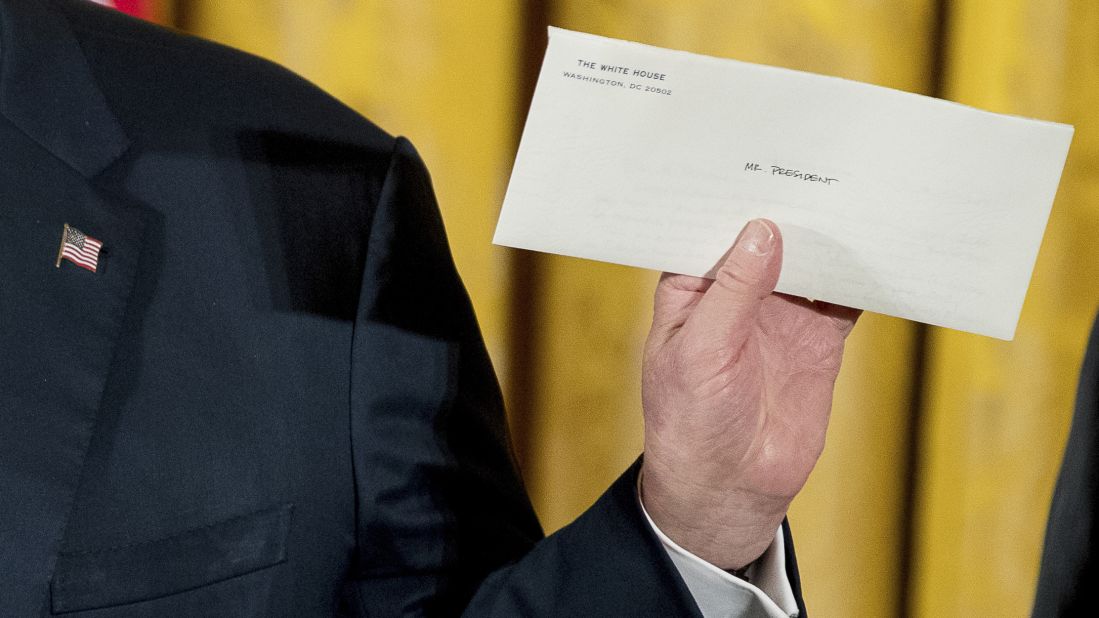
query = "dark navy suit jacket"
{"x": 272, "y": 398}
{"x": 1068, "y": 583}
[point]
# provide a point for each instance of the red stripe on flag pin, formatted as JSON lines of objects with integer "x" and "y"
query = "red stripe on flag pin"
{"x": 79, "y": 248}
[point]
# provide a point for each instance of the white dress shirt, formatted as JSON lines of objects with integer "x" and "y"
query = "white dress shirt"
{"x": 722, "y": 595}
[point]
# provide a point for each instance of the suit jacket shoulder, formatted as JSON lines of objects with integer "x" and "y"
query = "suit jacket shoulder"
{"x": 157, "y": 78}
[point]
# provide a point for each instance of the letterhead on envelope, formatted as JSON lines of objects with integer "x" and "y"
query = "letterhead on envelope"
{"x": 888, "y": 201}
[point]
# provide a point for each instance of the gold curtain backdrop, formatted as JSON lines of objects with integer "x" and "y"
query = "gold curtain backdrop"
{"x": 931, "y": 496}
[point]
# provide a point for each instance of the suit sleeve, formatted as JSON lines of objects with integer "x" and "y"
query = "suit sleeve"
{"x": 443, "y": 524}
{"x": 1070, "y": 557}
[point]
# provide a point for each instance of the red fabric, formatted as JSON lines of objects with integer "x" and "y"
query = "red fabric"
{"x": 137, "y": 8}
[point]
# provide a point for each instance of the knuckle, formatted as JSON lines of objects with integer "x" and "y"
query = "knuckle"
{"x": 820, "y": 351}
{"x": 738, "y": 278}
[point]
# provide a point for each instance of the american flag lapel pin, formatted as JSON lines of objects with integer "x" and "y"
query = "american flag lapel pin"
{"x": 78, "y": 248}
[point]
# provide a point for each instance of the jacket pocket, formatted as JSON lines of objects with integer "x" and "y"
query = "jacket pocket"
{"x": 161, "y": 567}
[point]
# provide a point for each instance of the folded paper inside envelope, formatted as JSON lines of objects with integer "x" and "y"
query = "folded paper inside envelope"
{"x": 888, "y": 201}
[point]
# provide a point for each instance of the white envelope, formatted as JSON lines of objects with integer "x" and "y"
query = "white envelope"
{"x": 887, "y": 201}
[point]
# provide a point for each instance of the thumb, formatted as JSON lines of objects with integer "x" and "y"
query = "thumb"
{"x": 748, "y": 275}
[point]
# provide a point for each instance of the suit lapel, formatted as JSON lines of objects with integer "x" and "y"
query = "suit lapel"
{"x": 58, "y": 326}
{"x": 58, "y": 334}
{"x": 48, "y": 91}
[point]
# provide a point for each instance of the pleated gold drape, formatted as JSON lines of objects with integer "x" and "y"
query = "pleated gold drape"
{"x": 931, "y": 497}
{"x": 997, "y": 413}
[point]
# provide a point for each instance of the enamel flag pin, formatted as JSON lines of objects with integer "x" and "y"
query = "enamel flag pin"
{"x": 78, "y": 248}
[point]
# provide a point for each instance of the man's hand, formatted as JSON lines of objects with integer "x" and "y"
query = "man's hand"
{"x": 737, "y": 388}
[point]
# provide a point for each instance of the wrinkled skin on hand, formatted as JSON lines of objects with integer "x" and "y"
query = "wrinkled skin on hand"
{"x": 737, "y": 389}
